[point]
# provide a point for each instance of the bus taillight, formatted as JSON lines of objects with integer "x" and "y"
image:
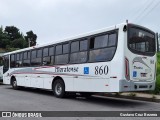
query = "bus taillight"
{"x": 127, "y": 68}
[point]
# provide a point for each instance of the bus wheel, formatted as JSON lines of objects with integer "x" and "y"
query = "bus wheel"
{"x": 59, "y": 88}
{"x": 14, "y": 83}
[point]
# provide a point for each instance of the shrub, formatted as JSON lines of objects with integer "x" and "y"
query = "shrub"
{"x": 157, "y": 89}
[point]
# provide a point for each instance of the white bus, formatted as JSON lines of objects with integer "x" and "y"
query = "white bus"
{"x": 115, "y": 59}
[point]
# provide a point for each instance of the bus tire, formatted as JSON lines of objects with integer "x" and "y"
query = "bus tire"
{"x": 14, "y": 83}
{"x": 59, "y": 88}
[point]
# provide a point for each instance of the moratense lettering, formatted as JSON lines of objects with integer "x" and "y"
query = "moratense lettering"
{"x": 67, "y": 69}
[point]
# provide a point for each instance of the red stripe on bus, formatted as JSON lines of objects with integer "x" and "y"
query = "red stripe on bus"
{"x": 53, "y": 74}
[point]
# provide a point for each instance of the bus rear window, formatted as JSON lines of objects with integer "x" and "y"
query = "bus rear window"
{"x": 141, "y": 41}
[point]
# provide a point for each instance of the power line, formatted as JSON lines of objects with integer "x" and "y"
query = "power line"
{"x": 149, "y": 11}
{"x": 143, "y": 11}
{"x": 137, "y": 10}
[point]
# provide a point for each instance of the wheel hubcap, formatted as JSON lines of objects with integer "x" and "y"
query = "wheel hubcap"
{"x": 58, "y": 89}
{"x": 14, "y": 83}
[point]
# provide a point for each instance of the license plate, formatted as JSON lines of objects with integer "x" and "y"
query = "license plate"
{"x": 143, "y": 74}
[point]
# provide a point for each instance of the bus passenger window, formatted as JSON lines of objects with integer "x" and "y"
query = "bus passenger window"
{"x": 51, "y": 51}
{"x": 61, "y": 59}
{"x": 39, "y": 53}
{"x": 112, "y": 40}
{"x": 48, "y": 56}
{"x": 62, "y": 54}
{"x": 102, "y": 47}
{"x": 83, "y": 45}
{"x": 58, "y": 49}
{"x": 36, "y": 57}
{"x": 26, "y": 59}
{"x": 65, "y": 48}
{"x": 98, "y": 55}
{"x": 33, "y": 54}
{"x": 75, "y": 46}
{"x": 13, "y": 62}
{"x": 101, "y": 41}
{"x": 83, "y": 57}
{"x": 79, "y": 57}
{"x": 19, "y": 60}
{"x": 45, "y": 52}
{"x": 78, "y": 51}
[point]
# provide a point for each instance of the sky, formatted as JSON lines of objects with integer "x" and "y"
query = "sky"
{"x": 53, "y": 20}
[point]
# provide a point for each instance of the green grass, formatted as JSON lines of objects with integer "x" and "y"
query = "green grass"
{"x": 158, "y": 63}
{"x": 157, "y": 90}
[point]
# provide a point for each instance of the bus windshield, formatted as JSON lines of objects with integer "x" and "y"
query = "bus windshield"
{"x": 141, "y": 41}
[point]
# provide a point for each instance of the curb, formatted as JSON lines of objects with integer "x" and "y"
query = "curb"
{"x": 132, "y": 97}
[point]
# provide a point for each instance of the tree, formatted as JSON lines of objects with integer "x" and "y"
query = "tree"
{"x": 4, "y": 42}
{"x": 4, "y": 38}
{"x": 31, "y": 37}
{"x": 13, "y": 32}
{"x": 11, "y": 38}
{"x": 19, "y": 43}
{"x": 1, "y": 30}
{"x": 158, "y": 43}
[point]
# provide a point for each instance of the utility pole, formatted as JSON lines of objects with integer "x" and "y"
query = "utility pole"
{"x": 29, "y": 42}
{"x": 157, "y": 38}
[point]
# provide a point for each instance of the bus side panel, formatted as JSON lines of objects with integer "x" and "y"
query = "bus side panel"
{"x": 36, "y": 81}
{"x": 117, "y": 63}
{"x": 93, "y": 77}
{"x": 49, "y": 75}
{"x": 7, "y": 76}
{"x": 47, "y": 82}
{"x": 21, "y": 79}
{"x": 68, "y": 81}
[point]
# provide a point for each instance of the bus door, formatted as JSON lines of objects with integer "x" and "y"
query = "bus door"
{"x": 6, "y": 68}
{"x": 1, "y": 73}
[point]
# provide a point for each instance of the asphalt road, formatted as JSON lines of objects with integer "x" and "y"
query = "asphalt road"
{"x": 28, "y": 99}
